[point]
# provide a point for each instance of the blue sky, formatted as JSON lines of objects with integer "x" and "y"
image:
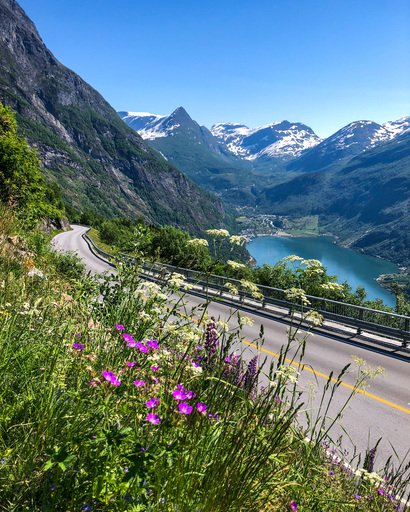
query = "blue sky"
{"x": 322, "y": 62}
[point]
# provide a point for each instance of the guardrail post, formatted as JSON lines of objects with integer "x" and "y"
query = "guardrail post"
{"x": 405, "y": 343}
{"x": 359, "y": 329}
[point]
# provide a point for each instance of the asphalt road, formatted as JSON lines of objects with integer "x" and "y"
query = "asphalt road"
{"x": 381, "y": 410}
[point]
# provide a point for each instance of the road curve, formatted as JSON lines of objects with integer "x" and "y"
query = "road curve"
{"x": 382, "y": 410}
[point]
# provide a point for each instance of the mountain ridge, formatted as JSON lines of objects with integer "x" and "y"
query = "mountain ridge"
{"x": 99, "y": 162}
{"x": 295, "y": 145}
{"x": 365, "y": 203}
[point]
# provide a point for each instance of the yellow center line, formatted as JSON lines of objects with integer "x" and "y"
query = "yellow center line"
{"x": 320, "y": 374}
{"x": 316, "y": 372}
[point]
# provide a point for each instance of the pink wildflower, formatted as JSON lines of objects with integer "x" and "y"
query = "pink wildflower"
{"x": 153, "y": 344}
{"x": 179, "y": 394}
{"x": 184, "y": 408}
{"x": 111, "y": 378}
{"x": 200, "y": 407}
{"x": 152, "y": 403}
{"x": 153, "y": 418}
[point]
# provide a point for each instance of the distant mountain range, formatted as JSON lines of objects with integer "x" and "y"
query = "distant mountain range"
{"x": 365, "y": 203}
{"x": 350, "y": 141}
{"x": 99, "y": 162}
{"x": 295, "y": 145}
{"x": 193, "y": 149}
{"x": 283, "y": 140}
{"x": 357, "y": 180}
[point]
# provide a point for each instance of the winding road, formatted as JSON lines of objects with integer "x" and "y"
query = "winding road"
{"x": 381, "y": 410}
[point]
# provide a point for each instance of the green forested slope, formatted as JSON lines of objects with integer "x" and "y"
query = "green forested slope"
{"x": 99, "y": 162}
{"x": 366, "y": 203}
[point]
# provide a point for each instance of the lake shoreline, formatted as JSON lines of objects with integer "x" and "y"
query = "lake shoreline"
{"x": 357, "y": 268}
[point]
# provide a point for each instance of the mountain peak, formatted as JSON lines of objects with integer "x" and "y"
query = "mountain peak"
{"x": 180, "y": 115}
{"x": 281, "y": 139}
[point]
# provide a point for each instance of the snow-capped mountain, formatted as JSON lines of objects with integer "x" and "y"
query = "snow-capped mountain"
{"x": 146, "y": 124}
{"x": 190, "y": 147}
{"x": 153, "y": 126}
{"x": 348, "y": 142}
{"x": 390, "y": 130}
{"x": 283, "y": 140}
{"x": 231, "y": 135}
{"x": 293, "y": 144}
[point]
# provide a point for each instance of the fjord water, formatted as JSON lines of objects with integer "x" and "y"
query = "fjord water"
{"x": 348, "y": 265}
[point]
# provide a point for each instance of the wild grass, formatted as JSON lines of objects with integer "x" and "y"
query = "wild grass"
{"x": 81, "y": 362}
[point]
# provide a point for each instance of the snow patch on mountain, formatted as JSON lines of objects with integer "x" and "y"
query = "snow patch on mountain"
{"x": 391, "y": 130}
{"x": 280, "y": 139}
{"x": 148, "y": 125}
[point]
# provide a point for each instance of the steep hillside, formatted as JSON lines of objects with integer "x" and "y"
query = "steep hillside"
{"x": 194, "y": 150}
{"x": 99, "y": 162}
{"x": 366, "y": 203}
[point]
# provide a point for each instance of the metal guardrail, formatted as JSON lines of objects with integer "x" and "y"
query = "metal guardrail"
{"x": 361, "y": 318}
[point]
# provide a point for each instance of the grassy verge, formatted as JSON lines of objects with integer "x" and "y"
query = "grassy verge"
{"x": 111, "y": 400}
{"x": 95, "y": 237}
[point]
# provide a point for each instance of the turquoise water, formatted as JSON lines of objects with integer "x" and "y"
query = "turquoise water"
{"x": 355, "y": 268}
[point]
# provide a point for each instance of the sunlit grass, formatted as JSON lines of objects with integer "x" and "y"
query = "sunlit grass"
{"x": 111, "y": 400}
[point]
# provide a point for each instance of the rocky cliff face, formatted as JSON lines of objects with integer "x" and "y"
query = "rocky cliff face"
{"x": 99, "y": 162}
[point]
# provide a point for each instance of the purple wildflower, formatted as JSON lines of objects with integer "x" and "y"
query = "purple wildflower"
{"x": 357, "y": 497}
{"x": 369, "y": 459}
{"x": 128, "y": 338}
{"x": 190, "y": 395}
{"x": 179, "y": 394}
{"x": 211, "y": 342}
{"x": 250, "y": 377}
{"x": 155, "y": 379}
{"x": 152, "y": 403}
{"x": 119, "y": 327}
{"x": 331, "y": 473}
{"x": 142, "y": 347}
{"x": 293, "y": 505}
{"x": 153, "y": 344}
{"x": 233, "y": 369}
{"x": 111, "y": 378}
{"x": 184, "y": 408}
{"x": 200, "y": 407}
{"x": 78, "y": 346}
{"x": 131, "y": 363}
{"x": 153, "y": 418}
{"x": 155, "y": 368}
{"x": 132, "y": 344}
{"x": 139, "y": 383}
